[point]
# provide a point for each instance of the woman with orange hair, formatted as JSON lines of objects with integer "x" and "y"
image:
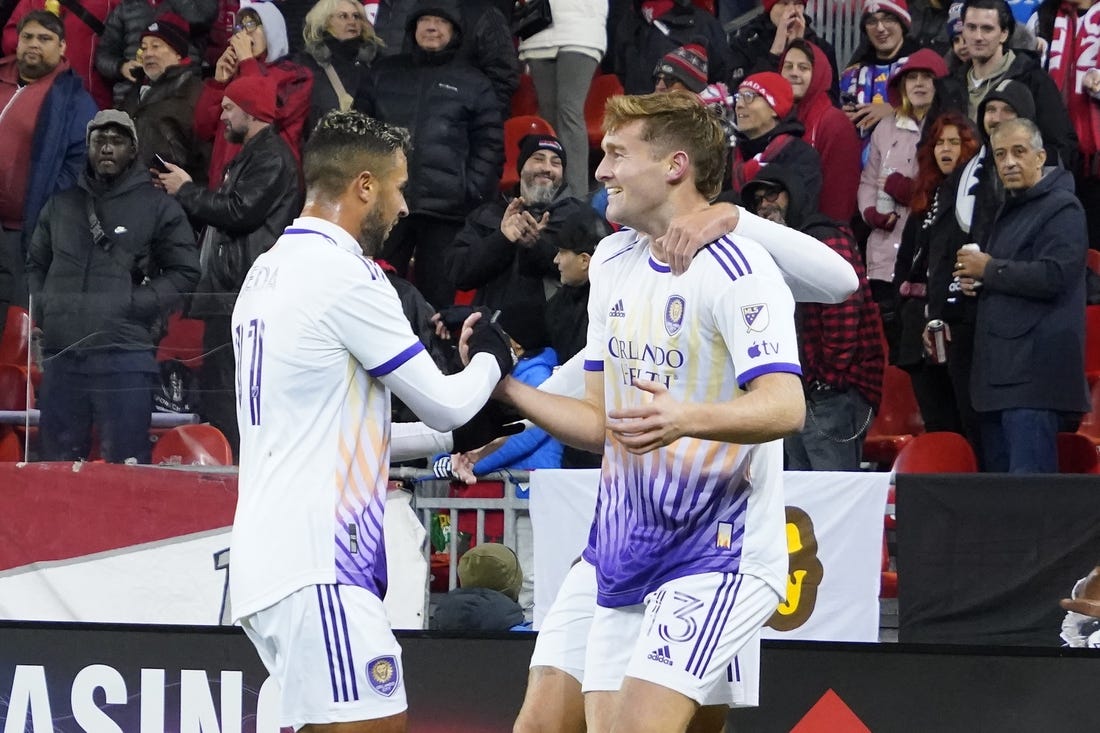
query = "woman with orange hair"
{"x": 926, "y": 288}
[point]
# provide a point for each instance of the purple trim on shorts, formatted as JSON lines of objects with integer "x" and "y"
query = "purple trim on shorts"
{"x": 336, "y": 646}
{"x": 386, "y": 367}
{"x": 328, "y": 642}
{"x": 347, "y": 644}
{"x": 714, "y": 625}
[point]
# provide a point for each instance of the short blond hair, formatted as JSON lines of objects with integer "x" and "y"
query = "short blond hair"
{"x": 316, "y": 22}
{"x": 672, "y": 121}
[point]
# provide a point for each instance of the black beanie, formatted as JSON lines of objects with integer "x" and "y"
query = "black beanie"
{"x": 528, "y": 144}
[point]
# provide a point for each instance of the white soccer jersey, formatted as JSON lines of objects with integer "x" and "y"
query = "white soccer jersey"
{"x": 693, "y": 506}
{"x": 315, "y": 326}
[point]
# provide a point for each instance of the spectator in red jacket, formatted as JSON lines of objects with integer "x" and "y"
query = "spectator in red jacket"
{"x": 828, "y": 130}
{"x": 259, "y": 48}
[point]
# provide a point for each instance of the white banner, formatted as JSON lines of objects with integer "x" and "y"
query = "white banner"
{"x": 834, "y": 532}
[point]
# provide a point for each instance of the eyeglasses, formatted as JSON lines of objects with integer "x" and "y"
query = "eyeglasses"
{"x": 347, "y": 17}
{"x": 771, "y": 195}
{"x": 886, "y": 21}
{"x": 248, "y": 24}
{"x": 747, "y": 96}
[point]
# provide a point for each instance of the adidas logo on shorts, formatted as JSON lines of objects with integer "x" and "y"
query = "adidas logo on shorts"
{"x": 662, "y": 655}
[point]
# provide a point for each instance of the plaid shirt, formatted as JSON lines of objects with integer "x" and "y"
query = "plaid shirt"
{"x": 843, "y": 344}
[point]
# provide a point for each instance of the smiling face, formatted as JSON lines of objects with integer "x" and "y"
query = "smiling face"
{"x": 754, "y": 116}
{"x": 798, "y": 69}
{"x": 634, "y": 174}
{"x": 38, "y": 51}
{"x": 433, "y": 33}
{"x": 157, "y": 57}
{"x": 948, "y": 149}
{"x": 885, "y": 32}
{"x": 110, "y": 151}
{"x": 984, "y": 35}
{"x": 346, "y": 22}
{"x": 540, "y": 178}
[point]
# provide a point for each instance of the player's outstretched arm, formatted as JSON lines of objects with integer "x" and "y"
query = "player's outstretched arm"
{"x": 813, "y": 271}
{"x": 774, "y": 407}
{"x": 580, "y": 423}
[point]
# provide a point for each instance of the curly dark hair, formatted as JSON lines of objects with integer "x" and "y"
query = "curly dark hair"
{"x": 929, "y": 175}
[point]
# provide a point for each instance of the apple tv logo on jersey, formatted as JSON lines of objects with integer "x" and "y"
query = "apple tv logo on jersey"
{"x": 763, "y": 348}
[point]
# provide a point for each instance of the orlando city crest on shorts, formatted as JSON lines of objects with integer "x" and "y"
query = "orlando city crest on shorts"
{"x": 383, "y": 674}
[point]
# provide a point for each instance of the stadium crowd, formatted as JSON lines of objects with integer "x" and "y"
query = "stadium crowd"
{"x": 150, "y": 150}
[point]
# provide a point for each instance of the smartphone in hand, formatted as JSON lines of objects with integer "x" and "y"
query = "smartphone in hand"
{"x": 160, "y": 163}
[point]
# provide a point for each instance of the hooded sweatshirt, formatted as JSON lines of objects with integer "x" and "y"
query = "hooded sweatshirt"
{"x": 293, "y": 88}
{"x": 834, "y": 137}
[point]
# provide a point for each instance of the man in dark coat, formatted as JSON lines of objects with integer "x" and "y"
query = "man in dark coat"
{"x": 107, "y": 261}
{"x": 458, "y": 141}
{"x": 1029, "y": 366}
{"x": 506, "y": 249}
{"x": 258, "y": 198}
{"x": 163, "y": 104}
{"x": 841, "y": 344}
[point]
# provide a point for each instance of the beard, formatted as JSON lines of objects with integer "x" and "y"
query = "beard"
{"x": 373, "y": 231}
{"x": 234, "y": 135}
{"x": 537, "y": 194}
{"x": 772, "y": 213}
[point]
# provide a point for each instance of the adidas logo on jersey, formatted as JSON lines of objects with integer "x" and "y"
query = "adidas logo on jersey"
{"x": 617, "y": 310}
{"x": 662, "y": 655}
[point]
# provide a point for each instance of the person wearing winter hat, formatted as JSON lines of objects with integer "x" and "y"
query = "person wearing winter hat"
{"x": 505, "y": 249}
{"x": 765, "y": 134}
{"x": 682, "y": 68}
{"x": 256, "y": 199}
{"x": 958, "y": 54}
{"x": 489, "y": 579}
{"x": 758, "y": 45}
{"x": 95, "y": 314}
{"x": 163, "y": 105}
{"x": 886, "y": 184}
{"x": 258, "y": 48}
{"x": 883, "y": 46}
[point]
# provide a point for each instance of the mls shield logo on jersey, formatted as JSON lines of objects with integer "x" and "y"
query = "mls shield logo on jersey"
{"x": 674, "y": 315}
{"x": 383, "y": 675}
{"x": 755, "y": 316}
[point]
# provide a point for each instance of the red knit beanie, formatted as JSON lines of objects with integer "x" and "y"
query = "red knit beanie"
{"x": 688, "y": 64}
{"x": 255, "y": 95}
{"x": 775, "y": 90}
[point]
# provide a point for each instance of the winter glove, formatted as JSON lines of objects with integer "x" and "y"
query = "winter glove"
{"x": 493, "y": 421}
{"x": 489, "y": 338}
{"x": 442, "y": 468}
{"x": 899, "y": 187}
{"x": 878, "y": 220}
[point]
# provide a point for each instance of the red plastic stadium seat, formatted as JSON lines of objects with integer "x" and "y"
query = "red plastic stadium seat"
{"x": 1093, "y": 260}
{"x": 939, "y": 452}
{"x": 17, "y": 333}
{"x": 897, "y": 421}
{"x": 604, "y": 86}
{"x": 1077, "y": 454}
{"x": 514, "y": 130}
{"x": 14, "y": 394}
{"x": 1092, "y": 343}
{"x": 193, "y": 445}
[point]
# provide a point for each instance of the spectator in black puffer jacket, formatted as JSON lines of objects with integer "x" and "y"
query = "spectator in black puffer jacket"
{"x": 116, "y": 54}
{"x": 487, "y": 42}
{"x": 100, "y": 291}
{"x": 458, "y": 141}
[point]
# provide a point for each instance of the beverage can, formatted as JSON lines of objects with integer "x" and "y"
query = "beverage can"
{"x": 937, "y": 333}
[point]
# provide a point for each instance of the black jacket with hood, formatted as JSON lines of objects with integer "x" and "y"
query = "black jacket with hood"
{"x": 752, "y": 52}
{"x": 453, "y": 116}
{"x": 109, "y": 295}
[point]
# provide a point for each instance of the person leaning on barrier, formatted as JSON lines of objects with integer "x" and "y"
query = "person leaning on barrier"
{"x": 107, "y": 261}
